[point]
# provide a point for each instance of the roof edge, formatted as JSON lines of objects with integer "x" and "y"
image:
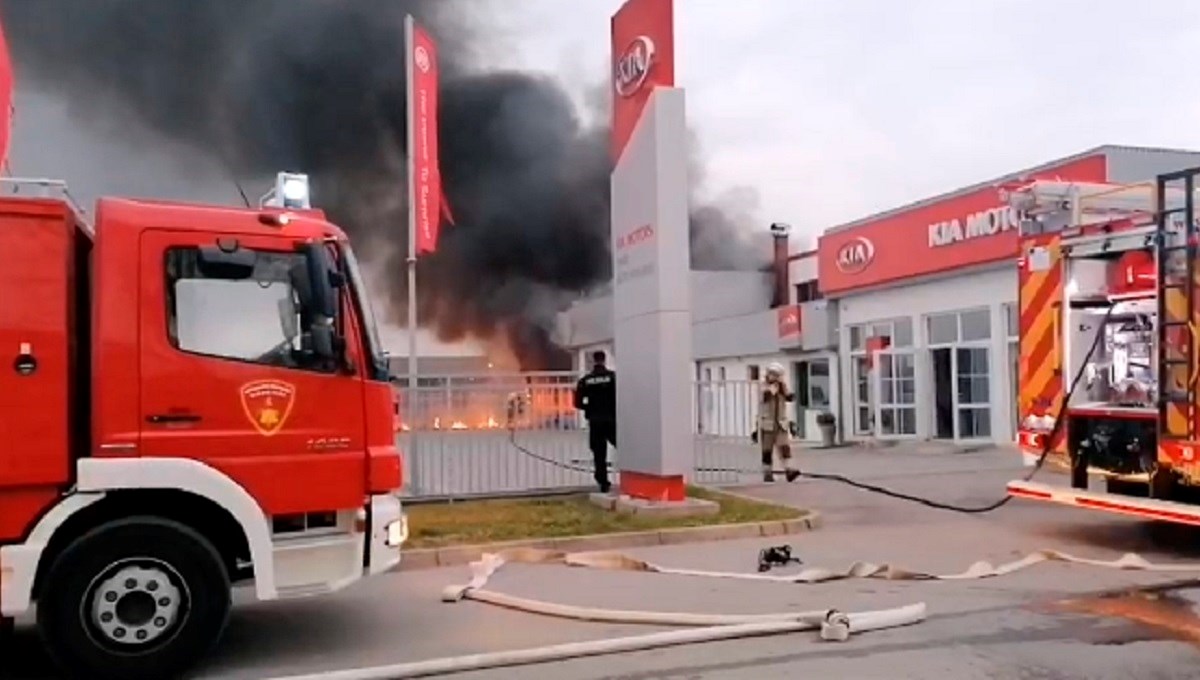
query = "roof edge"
{"x": 1103, "y": 149}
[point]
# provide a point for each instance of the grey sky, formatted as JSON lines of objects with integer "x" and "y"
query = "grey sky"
{"x": 828, "y": 110}
{"x": 833, "y": 109}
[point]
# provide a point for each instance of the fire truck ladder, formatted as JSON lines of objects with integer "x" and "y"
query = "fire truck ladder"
{"x": 1175, "y": 208}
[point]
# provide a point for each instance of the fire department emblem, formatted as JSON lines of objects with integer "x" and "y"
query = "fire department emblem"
{"x": 267, "y": 404}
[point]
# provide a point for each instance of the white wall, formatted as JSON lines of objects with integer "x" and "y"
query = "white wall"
{"x": 991, "y": 288}
{"x": 800, "y": 270}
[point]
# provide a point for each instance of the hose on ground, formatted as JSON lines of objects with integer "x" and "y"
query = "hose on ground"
{"x": 1047, "y": 448}
{"x": 833, "y": 624}
{"x": 574, "y": 650}
{"x": 1059, "y": 419}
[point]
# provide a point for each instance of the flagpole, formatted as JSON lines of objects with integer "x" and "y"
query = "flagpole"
{"x": 411, "y": 260}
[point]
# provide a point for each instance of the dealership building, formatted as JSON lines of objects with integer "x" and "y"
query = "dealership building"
{"x": 903, "y": 324}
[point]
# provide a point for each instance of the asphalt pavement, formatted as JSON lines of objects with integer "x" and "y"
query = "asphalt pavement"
{"x": 1053, "y": 621}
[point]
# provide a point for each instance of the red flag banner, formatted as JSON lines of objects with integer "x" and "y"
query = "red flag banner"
{"x": 6, "y": 98}
{"x": 423, "y": 121}
{"x": 446, "y": 212}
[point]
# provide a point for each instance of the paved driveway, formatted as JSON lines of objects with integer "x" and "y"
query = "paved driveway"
{"x": 1018, "y": 626}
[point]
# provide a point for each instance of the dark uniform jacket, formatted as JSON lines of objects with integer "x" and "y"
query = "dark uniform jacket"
{"x": 596, "y": 394}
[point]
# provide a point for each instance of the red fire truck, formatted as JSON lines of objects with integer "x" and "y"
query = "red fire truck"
{"x": 191, "y": 397}
{"x": 1109, "y": 310}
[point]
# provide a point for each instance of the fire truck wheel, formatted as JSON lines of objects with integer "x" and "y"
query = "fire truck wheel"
{"x": 135, "y": 598}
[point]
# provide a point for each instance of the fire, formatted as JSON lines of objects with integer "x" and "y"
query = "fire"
{"x": 488, "y": 422}
{"x": 499, "y": 402}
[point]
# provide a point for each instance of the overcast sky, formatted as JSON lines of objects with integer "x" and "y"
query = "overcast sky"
{"x": 833, "y": 109}
{"x": 828, "y": 110}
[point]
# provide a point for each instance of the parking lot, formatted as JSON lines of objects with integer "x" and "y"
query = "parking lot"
{"x": 1050, "y": 621}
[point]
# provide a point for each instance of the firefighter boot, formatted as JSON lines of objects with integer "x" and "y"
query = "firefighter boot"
{"x": 791, "y": 474}
{"x": 768, "y": 474}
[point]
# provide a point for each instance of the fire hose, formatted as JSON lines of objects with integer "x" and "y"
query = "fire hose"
{"x": 832, "y": 624}
{"x": 1047, "y": 448}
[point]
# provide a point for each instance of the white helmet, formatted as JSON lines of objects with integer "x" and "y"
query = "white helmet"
{"x": 776, "y": 368}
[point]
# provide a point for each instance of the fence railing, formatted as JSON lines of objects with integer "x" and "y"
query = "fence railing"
{"x": 507, "y": 434}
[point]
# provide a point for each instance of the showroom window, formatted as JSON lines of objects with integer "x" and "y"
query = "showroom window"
{"x": 887, "y": 407}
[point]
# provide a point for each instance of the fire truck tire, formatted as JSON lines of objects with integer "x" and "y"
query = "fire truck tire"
{"x": 140, "y": 597}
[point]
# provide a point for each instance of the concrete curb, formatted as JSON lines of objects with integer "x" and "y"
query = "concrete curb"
{"x": 430, "y": 558}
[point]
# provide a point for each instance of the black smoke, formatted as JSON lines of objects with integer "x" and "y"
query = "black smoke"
{"x": 318, "y": 86}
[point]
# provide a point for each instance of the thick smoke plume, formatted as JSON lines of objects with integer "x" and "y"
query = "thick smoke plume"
{"x": 318, "y": 86}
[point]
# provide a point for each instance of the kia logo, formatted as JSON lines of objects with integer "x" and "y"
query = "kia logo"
{"x": 855, "y": 255}
{"x": 633, "y": 66}
{"x": 421, "y": 57}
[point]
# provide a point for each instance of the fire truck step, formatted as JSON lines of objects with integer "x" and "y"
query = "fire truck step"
{"x": 1142, "y": 508}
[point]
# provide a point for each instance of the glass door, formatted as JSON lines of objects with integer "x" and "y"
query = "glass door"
{"x": 864, "y": 411}
{"x": 972, "y": 394}
{"x": 895, "y": 382}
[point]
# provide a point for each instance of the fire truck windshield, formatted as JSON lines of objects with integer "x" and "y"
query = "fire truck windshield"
{"x": 379, "y": 363}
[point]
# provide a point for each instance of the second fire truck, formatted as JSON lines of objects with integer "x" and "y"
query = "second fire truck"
{"x": 1109, "y": 306}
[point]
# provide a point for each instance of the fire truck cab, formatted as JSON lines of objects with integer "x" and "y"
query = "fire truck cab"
{"x": 1109, "y": 309}
{"x": 191, "y": 397}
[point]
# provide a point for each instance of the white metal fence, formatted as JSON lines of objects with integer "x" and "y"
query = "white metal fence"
{"x": 505, "y": 434}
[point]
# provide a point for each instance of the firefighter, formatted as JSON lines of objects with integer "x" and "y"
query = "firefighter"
{"x": 773, "y": 432}
{"x": 596, "y": 396}
{"x": 514, "y": 408}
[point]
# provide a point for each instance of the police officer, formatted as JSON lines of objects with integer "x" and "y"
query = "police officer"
{"x": 596, "y": 396}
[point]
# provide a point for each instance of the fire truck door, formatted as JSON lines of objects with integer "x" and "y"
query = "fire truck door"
{"x": 229, "y": 379}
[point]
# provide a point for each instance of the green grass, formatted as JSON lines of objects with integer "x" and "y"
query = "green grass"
{"x": 438, "y": 525}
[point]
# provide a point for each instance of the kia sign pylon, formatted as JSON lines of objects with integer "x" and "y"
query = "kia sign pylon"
{"x": 651, "y": 258}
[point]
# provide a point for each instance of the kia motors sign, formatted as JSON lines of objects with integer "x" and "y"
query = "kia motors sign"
{"x": 856, "y": 255}
{"x": 962, "y": 229}
{"x": 976, "y": 225}
{"x": 633, "y": 66}
{"x": 634, "y": 237}
{"x": 634, "y": 257}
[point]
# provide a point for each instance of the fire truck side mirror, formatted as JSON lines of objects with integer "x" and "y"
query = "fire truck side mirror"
{"x": 320, "y": 283}
{"x": 324, "y": 303}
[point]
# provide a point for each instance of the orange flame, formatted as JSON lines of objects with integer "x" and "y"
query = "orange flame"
{"x": 530, "y": 407}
